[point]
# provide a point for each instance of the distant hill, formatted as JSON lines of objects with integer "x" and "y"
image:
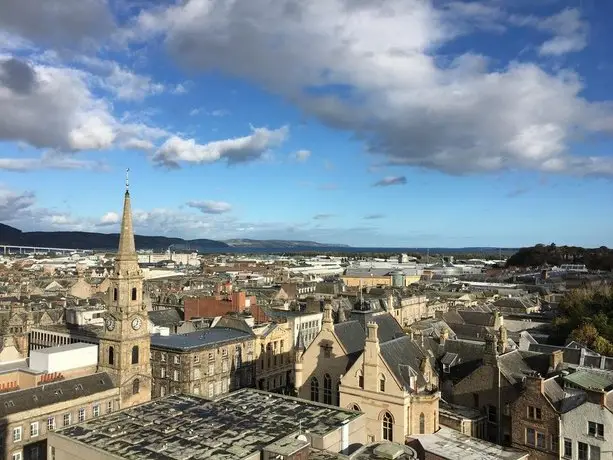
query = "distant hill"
{"x": 280, "y": 244}
{"x": 89, "y": 240}
{"x": 595, "y": 259}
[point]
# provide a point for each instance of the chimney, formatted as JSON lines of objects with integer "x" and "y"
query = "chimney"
{"x": 390, "y": 301}
{"x": 534, "y": 383}
{"x": 502, "y": 340}
{"x": 444, "y": 336}
{"x": 371, "y": 357}
{"x": 556, "y": 359}
{"x": 490, "y": 353}
{"x": 328, "y": 322}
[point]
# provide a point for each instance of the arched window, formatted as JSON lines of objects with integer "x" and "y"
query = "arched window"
{"x": 388, "y": 427}
{"x": 135, "y": 387}
{"x": 355, "y": 407}
{"x": 360, "y": 379}
{"x": 338, "y": 393}
{"x": 382, "y": 383}
{"x": 314, "y": 389}
{"x": 115, "y": 294}
{"x": 135, "y": 354}
{"x": 422, "y": 423}
{"x": 133, "y": 293}
{"x": 327, "y": 389}
{"x": 111, "y": 356}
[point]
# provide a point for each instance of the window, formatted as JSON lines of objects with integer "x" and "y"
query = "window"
{"x": 111, "y": 356}
{"x": 134, "y": 295}
{"x": 388, "y": 427}
{"x": 16, "y": 456}
{"x": 177, "y": 359}
{"x": 224, "y": 352}
{"x": 355, "y": 407}
{"x": 555, "y": 447}
{"x": 51, "y": 423}
{"x": 582, "y": 451}
{"x": 568, "y": 448}
{"x": 595, "y": 429}
{"x": 196, "y": 359}
{"x": 52, "y": 453}
{"x": 162, "y": 372}
{"x": 17, "y": 434}
{"x": 211, "y": 357}
{"x": 96, "y": 409}
{"x": 163, "y": 357}
{"x": 594, "y": 453}
{"x": 314, "y": 389}
{"x": 33, "y": 429}
{"x": 162, "y": 391}
{"x": 327, "y": 389}
{"x": 530, "y": 437}
{"x": 211, "y": 390}
{"x": 446, "y": 368}
{"x": 67, "y": 419}
{"x": 81, "y": 415}
{"x": 109, "y": 408}
{"x": 224, "y": 365}
{"x": 422, "y": 423}
{"x": 338, "y": 393}
{"x": 382, "y": 384}
{"x": 136, "y": 387}
{"x": 360, "y": 379}
{"x": 211, "y": 368}
{"x": 534, "y": 413}
{"x": 540, "y": 440}
{"x": 115, "y": 294}
{"x": 175, "y": 375}
{"x": 492, "y": 415}
{"x": 135, "y": 354}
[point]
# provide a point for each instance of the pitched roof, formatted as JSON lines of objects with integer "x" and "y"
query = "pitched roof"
{"x": 53, "y": 393}
{"x": 591, "y": 379}
{"x": 166, "y": 317}
{"x": 352, "y": 334}
{"x": 404, "y": 357}
{"x": 517, "y": 364}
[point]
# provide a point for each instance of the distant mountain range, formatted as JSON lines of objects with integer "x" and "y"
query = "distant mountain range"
{"x": 90, "y": 240}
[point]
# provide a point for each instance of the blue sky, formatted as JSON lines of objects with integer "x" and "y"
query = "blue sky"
{"x": 417, "y": 123}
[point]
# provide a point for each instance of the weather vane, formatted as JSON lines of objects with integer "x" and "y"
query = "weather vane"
{"x": 127, "y": 179}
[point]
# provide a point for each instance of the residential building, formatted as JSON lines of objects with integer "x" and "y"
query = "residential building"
{"x": 274, "y": 366}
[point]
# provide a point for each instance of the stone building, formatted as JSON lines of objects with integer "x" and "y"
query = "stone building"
{"x": 274, "y": 366}
{"x": 369, "y": 364}
{"x": 209, "y": 362}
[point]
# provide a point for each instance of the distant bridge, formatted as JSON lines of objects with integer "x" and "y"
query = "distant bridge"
{"x": 9, "y": 249}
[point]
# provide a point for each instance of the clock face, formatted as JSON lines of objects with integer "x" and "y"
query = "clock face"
{"x": 136, "y": 323}
{"x": 110, "y": 324}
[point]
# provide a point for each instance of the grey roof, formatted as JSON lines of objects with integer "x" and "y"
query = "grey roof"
{"x": 591, "y": 379}
{"x": 352, "y": 333}
{"x": 517, "y": 364}
{"x": 404, "y": 357}
{"x": 198, "y": 339}
{"x": 166, "y": 318}
{"x": 53, "y": 393}
{"x": 562, "y": 400}
{"x": 477, "y": 318}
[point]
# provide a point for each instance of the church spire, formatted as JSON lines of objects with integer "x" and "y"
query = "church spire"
{"x": 127, "y": 248}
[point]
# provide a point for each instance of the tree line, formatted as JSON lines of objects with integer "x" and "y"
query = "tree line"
{"x": 593, "y": 258}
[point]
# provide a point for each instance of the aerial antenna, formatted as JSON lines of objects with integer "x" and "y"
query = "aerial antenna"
{"x": 127, "y": 180}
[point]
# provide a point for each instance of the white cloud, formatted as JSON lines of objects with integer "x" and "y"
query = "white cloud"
{"x": 194, "y": 112}
{"x": 49, "y": 161}
{"x": 570, "y": 33}
{"x": 110, "y": 218}
{"x": 402, "y": 100}
{"x": 138, "y": 144}
{"x": 210, "y": 207}
{"x": 301, "y": 155}
{"x": 241, "y": 149}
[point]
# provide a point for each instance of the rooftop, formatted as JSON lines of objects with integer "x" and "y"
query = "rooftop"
{"x": 453, "y": 445}
{"x": 198, "y": 339}
{"x": 591, "y": 379}
{"x": 182, "y": 427}
{"x": 61, "y": 348}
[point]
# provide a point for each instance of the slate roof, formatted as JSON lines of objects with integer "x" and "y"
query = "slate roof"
{"x": 166, "y": 318}
{"x": 53, "y": 393}
{"x": 404, "y": 357}
{"x": 352, "y": 334}
{"x": 477, "y": 318}
{"x": 562, "y": 400}
{"x": 591, "y": 379}
{"x": 206, "y": 338}
{"x": 517, "y": 364}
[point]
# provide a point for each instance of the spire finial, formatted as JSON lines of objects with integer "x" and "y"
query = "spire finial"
{"x": 127, "y": 180}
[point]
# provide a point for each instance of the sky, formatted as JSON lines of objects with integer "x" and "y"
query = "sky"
{"x": 404, "y": 123}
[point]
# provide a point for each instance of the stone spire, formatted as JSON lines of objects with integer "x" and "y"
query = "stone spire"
{"x": 127, "y": 248}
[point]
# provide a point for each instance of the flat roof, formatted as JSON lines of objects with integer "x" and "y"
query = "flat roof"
{"x": 181, "y": 427}
{"x": 197, "y": 339}
{"x": 60, "y": 348}
{"x": 453, "y": 445}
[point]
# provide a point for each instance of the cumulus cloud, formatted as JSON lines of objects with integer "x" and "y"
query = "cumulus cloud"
{"x": 401, "y": 99}
{"x": 176, "y": 150}
{"x": 570, "y": 33}
{"x": 301, "y": 155}
{"x": 110, "y": 218}
{"x": 391, "y": 180}
{"x": 210, "y": 207}
{"x": 57, "y": 22}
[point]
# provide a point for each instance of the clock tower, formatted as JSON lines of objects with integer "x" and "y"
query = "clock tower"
{"x": 124, "y": 349}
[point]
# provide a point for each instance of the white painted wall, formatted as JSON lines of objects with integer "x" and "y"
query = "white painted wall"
{"x": 575, "y": 427}
{"x": 63, "y": 358}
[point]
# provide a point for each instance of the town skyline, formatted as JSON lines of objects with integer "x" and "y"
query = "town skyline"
{"x": 421, "y": 124}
